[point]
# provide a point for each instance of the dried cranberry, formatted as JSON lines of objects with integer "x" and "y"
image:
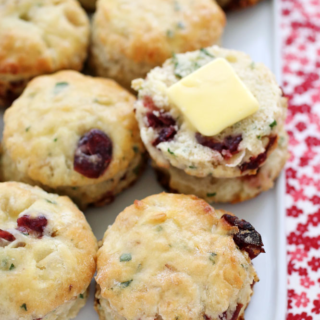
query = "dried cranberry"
{"x": 223, "y": 316}
{"x": 165, "y": 134}
{"x": 237, "y": 312}
{"x": 163, "y": 120}
{"x": 7, "y": 235}
{"x": 228, "y": 147}
{"x": 93, "y": 154}
{"x": 34, "y": 226}
{"x": 255, "y": 162}
{"x": 148, "y": 103}
{"x": 247, "y": 239}
{"x": 206, "y": 317}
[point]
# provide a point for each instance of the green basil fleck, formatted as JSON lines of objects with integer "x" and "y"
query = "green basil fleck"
{"x": 206, "y": 52}
{"x": 170, "y": 33}
{"x": 273, "y": 124}
{"x": 170, "y": 151}
{"x": 176, "y": 66}
{"x": 24, "y": 306}
{"x": 55, "y": 140}
{"x": 177, "y": 6}
{"x": 211, "y": 194}
{"x": 212, "y": 257}
{"x": 126, "y": 283}
{"x": 192, "y": 167}
{"x": 159, "y": 228}
{"x": 135, "y": 149}
{"x": 81, "y": 296}
{"x": 180, "y": 25}
{"x": 259, "y": 137}
{"x": 50, "y": 201}
{"x": 125, "y": 257}
{"x": 28, "y": 128}
{"x": 12, "y": 266}
{"x": 60, "y": 86}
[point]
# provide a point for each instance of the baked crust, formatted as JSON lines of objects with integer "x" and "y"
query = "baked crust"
{"x": 43, "y": 127}
{"x": 142, "y": 34}
{"x": 36, "y": 40}
{"x": 44, "y": 275}
{"x": 230, "y": 189}
{"x": 170, "y": 256}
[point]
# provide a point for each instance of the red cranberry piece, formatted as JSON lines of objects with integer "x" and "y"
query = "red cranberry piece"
{"x": 148, "y": 103}
{"x": 7, "y": 235}
{"x": 163, "y": 120}
{"x": 93, "y": 154}
{"x": 206, "y": 317}
{"x": 247, "y": 239}
{"x": 228, "y": 147}
{"x": 34, "y": 226}
{"x": 256, "y": 162}
{"x": 165, "y": 134}
{"x": 223, "y": 316}
{"x": 237, "y": 312}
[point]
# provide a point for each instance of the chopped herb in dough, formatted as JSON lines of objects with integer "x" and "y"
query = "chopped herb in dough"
{"x": 126, "y": 283}
{"x": 170, "y": 34}
{"x": 206, "y": 52}
{"x": 180, "y": 25}
{"x": 170, "y": 151}
{"x": 273, "y": 124}
{"x": 212, "y": 257}
{"x": 24, "y": 306}
{"x": 211, "y": 194}
{"x": 135, "y": 149}
{"x": 125, "y": 257}
{"x": 50, "y": 201}
{"x": 12, "y": 266}
{"x": 81, "y": 296}
{"x": 60, "y": 86}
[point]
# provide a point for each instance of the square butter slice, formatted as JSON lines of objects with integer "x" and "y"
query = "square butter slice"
{"x": 213, "y": 98}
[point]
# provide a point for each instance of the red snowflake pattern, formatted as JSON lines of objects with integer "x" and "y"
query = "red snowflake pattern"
{"x": 301, "y": 82}
{"x": 301, "y": 300}
{"x": 306, "y": 282}
{"x": 314, "y": 263}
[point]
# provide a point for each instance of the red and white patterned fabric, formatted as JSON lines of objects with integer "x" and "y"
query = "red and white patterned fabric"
{"x": 300, "y": 21}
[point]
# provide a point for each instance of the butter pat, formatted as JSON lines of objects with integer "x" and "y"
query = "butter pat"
{"x": 213, "y": 98}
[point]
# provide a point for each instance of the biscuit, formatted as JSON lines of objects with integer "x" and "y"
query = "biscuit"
{"x": 227, "y": 189}
{"x": 175, "y": 257}
{"x": 39, "y": 38}
{"x": 47, "y": 255}
{"x": 239, "y": 149}
{"x": 74, "y": 135}
{"x": 129, "y": 38}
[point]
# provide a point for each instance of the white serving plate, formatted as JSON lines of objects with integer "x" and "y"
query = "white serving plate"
{"x": 253, "y": 31}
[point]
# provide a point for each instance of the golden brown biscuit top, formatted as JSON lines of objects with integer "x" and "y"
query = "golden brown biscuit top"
{"x": 41, "y": 36}
{"x": 149, "y": 31}
{"x": 45, "y": 127}
{"x": 173, "y": 257}
{"x": 47, "y": 251}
